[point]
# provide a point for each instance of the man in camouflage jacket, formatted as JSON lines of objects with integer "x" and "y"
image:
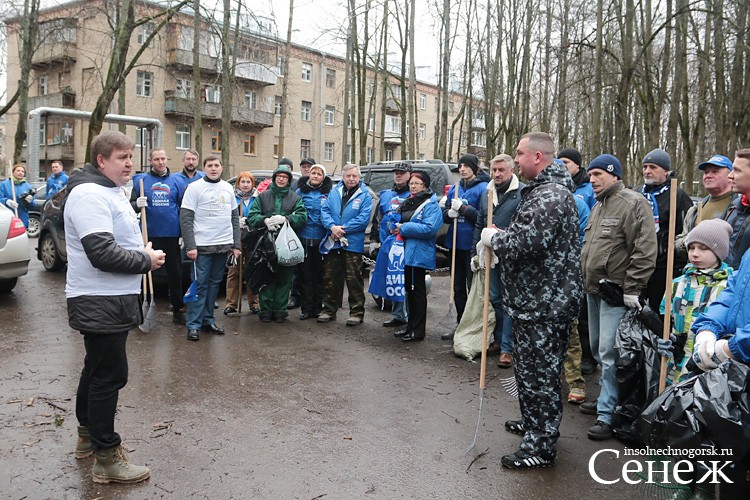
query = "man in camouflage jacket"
{"x": 539, "y": 257}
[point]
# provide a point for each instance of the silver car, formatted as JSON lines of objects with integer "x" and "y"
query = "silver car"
{"x": 14, "y": 250}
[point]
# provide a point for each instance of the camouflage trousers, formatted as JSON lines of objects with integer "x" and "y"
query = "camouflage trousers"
{"x": 572, "y": 363}
{"x": 343, "y": 267}
{"x": 539, "y": 351}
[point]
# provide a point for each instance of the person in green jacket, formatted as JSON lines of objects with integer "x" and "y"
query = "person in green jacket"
{"x": 273, "y": 207}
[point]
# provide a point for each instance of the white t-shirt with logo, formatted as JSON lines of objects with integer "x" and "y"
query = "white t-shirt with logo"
{"x": 91, "y": 208}
{"x": 213, "y": 203}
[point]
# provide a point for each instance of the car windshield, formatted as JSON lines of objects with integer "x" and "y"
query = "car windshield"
{"x": 380, "y": 181}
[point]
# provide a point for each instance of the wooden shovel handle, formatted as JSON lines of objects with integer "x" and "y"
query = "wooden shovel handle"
{"x": 486, "y": 310}
{"x": 453, "y": 249}
{"x": 670, "y": 271}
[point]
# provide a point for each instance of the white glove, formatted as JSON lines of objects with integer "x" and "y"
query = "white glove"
{"x": 243, "y": 223}
{"x": 141, "y": 202}
{"x": 453, "y": 214}
{"x": 279, "y": 220}
{"x": 270, "y": 225}
{"x": 481, "y": 249}
{"x": 487, "y": 234}
{"x": 704, "y": 347}
{"x": 28, "y": 199}
{"x": 632, "y": 302}
{"x": 344, "y": 242}
{"x": 456, "y": 204}
{"x": 476, "y": 263}
{"x": 11, "y": 204}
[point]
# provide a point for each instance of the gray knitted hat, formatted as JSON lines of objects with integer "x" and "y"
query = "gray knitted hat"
{"x": 714, "y": 233}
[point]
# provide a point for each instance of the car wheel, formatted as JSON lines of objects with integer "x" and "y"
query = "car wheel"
{"x": 34, "y": 226}
{"x": 50, "y": 257}
{"x": 8, "y": 285}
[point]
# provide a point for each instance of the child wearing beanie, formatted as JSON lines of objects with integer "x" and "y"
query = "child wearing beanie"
{"x": 705, "y": 276}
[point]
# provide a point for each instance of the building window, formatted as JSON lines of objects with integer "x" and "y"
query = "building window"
{"x": 370, "y": 155}
{"x": 184, "y": 88}
{"x": 251, "y": 99}
{"x": 277, "y": 105}
{"x": 249, "y": 144}
{"x": 182, "y": 137}
{"x": 388, "y": 155}
{"x": 140, "y": 134}
{"x": 478, "y": 139}
{"x": 144, "y": 31}
{"x": 422, "y": 130}
{"x": 304, "y": 148}
{"x": 306, "y": 72}
{"x": 422, "y": 101}
{"x": 42, "y": 133}
{"x": 212, "y": 93}
{"x": 330, "y": 78}
{"x": 306, "y": 111}
{"x": 216, "y": 141}
{"x": 349, "y": 153}
{"x": 393, "y": 124}
{"x": 328, "y": 150}
{"x": 43, "y": 85}
{"x": 144, "y": 84}
{"x": 276, "y": 150}
{"x": 329, "y": 115}
{"x": 371, "y": 124}
{"x": 282, "y": 64}
{"x": 371, "y": 87}
{"x": 451, "y": 109}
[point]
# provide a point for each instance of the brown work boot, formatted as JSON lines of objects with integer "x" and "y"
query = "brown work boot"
{"x": 112, "y": 466}
{"x": 83, "y": 446}
{"x": 505, "y": 361}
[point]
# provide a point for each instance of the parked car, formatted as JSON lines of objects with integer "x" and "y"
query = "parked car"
{"x": 14, "y": 250}
{"x": 35, "y": 210}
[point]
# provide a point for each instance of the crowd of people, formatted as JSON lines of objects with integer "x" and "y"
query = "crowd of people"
{"x": 563, "y": 240}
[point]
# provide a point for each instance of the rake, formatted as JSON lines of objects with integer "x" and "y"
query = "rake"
{"x": 449, "y": 320}
{"x": 239, "y": 292}
{"x": 485, "y": 325}
{"x": 149, "y": 302}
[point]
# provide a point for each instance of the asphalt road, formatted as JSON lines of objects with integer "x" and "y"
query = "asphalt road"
{"x": 294, "y": 410}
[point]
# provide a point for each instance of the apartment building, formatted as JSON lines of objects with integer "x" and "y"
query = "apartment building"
{"x": 72, "y": 58}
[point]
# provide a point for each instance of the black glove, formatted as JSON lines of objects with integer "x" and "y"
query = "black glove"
{"x": 611, "y": 293}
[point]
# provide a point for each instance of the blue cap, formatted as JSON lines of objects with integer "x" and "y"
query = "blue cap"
{"x": 717, "y": 161}
{"x": 608, "y": 163}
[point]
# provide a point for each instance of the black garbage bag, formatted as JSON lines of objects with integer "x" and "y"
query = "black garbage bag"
{"x": 638, "y": 365}
{"x": 261, "y": 269}
{"x": 706, "y": 410}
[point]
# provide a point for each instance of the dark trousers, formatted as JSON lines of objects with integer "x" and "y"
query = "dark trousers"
{"x": 344, "y": 267}
{"x": 105, "y": 372}
{"x": 657, "y": 285}
{"x": 416, "y": 299}
{"x": 296, "y": 291}
{"x": 310, "y": 271}
{"x": 173, "y": 267}
{"x": 462, "y": 281}
{"x": 539, "y": 351}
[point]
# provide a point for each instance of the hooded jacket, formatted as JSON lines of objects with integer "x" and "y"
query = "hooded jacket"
{"x": 469, "y": 193}
{"x": 354, "y": 216}
{"x": 619, "y": 243}
{"x": 419, "y": 234}
{"x": 95, "y": 313}
{"x": 584, "y": 191}
{"x": 539, "y": 252}
{"x": 313, "y": 197}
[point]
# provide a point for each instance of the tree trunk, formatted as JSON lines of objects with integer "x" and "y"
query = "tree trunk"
{"x": 28, "y": 39}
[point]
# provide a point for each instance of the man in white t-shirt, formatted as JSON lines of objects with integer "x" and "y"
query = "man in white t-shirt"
{"x": 210, "y": 231}
{"x": 106, "y": 258}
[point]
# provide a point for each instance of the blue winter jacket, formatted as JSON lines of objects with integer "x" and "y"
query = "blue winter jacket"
{"x": 314, "y": 199}
{"x": 470, "y": 194}
{"x": 419, "y": 235}
{"x": 390, "y": 200}
{"x": 730, "y": 313}
{"x": 583, "y": 215}
{"x": 55, "y": 183}
{"x": 164, "y": 199}
{"x": 586, "y": 193}
{"x": 354, "y": 218}
{"x": 22, "y": 189}
{"x": 189, "y": 180}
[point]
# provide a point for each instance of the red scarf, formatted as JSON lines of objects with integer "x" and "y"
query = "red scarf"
{"x": 745, "y": 200}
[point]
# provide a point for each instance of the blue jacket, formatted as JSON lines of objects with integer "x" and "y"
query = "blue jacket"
{"x": 390, "y": 199}
{"x": 189, "y": 180}
{"x": 583, "y": 215}
{"x": 730, "y": 313}
{"x": 586, "y": 193}
{"x": 22, "y": 189}
{"x": 314, "y": 199}
{"x": 419, "y": 235}
{"x": 470, "y": 194}
{"x": 55, "y": 183}
{"x": 164, "y": 199}
{"x": 354, "y": 216}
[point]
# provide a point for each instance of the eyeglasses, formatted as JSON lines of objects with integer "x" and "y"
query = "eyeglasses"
{"x": 416, "y": 183}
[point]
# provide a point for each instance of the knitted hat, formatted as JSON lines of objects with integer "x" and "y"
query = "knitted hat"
{"x": 608, "y": 163}
{"x": 310, "y": 161}
{"x": 282, "y": 169}
{"x": 321, "y": 167}
{"x": 658, "y": 157}
{"x": 571, "y": 154}
{"x": 287, "y": 162}
{"x": 424, "y": 176}
{"x": 470, "y": 161}
{"x": 714, "y": 233}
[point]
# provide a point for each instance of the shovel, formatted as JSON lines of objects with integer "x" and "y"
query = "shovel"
{"x": 239, "y": 292}
{"x": 485, "y": 325}
{"x": 149, "y": 302}
{"x": 668, "y": 289}
{"x": 449, "y": 320}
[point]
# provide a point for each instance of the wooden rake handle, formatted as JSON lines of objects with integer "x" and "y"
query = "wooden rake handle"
{"x": 453, "y": 249}
{"x": 670, "y": 271}
{"x": 486, "y": 310}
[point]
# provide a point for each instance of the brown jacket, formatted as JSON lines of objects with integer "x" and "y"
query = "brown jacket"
{"x": 620, "y": 241}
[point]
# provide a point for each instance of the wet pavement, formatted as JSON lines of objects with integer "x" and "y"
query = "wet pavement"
{"x": 294, "y": 410}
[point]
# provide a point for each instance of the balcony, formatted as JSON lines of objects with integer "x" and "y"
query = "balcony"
{"x": 48, "y": 54}
{"x": 477, "y": 123}
{"x": 180, "y": 106}
{"x": 49, "y": 152}
{"x": 392, "y": 138}
{"x": 392, "y": 106}
{"x": 254, "y": 72}
{"x": 183, "y": 59}
{"x": 64, "y": 99}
